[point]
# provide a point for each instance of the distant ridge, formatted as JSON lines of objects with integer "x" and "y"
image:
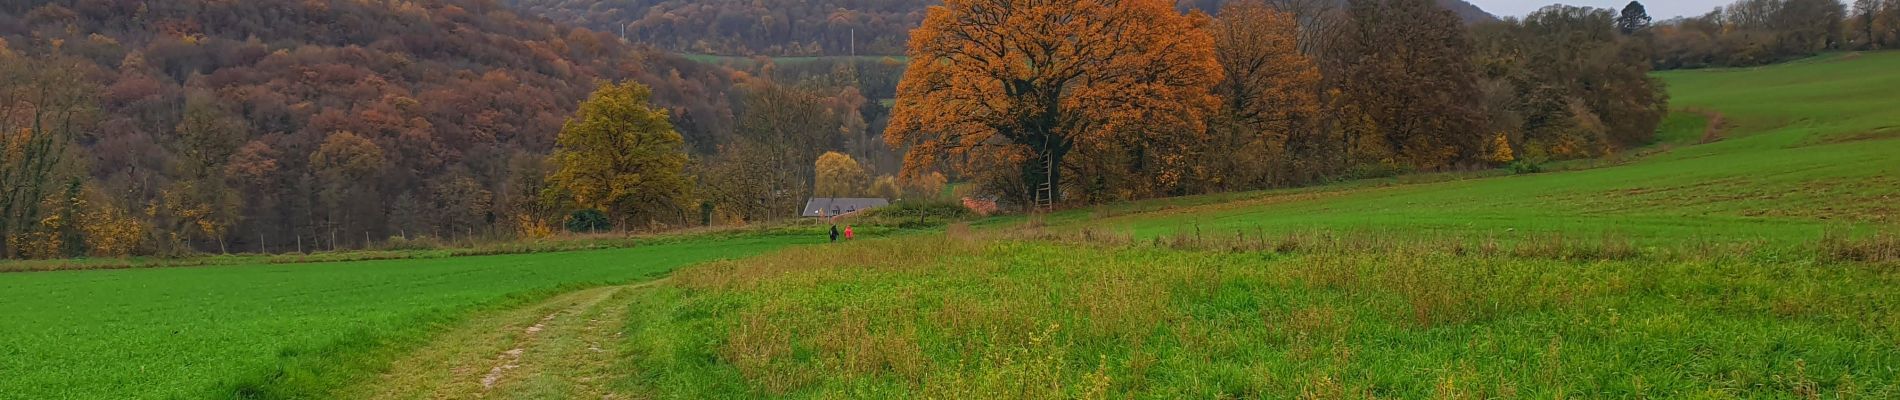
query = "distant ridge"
{"x": 783, "y": 27}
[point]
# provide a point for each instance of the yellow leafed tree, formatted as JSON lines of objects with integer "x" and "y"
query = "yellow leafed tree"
{"x": 618, "y": 154}
{"x": 839, "y": 176}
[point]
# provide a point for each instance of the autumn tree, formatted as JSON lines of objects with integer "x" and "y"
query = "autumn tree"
{"x": 346, "y": 166}
{"x": 1875, "y": 24}
{"x": 840, "y": 176}
{"x": 787, "y": 128}
{"x": 206, "y": 139}
{"x": 1860, "y": 24}
{"x": 1268, "y": 98}
{"x": 929, "y": 185}
{"x": 1406, "y": 68}
{"x": 48, "y": 102}
{"x": 1564, "y": 83}
{"x": 886, "y": 187}
{"x": 620, "y": 155}
{"x": 460, "y": 204}
{"x": 740, "y": 183}
{"x": 1014, "y": 87}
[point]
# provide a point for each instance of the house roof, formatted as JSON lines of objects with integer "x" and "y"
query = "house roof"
{"x": 835, "y": 206}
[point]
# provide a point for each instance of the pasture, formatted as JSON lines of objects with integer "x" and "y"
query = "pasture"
{"x": 282, "y": 330}
{"x": 1803, "y": 148}
{"x": 1754, "y": 260}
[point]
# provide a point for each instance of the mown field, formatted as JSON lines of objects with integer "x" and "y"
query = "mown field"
{"x": 1755, "y": 262}
{"x": 282, "y": 330}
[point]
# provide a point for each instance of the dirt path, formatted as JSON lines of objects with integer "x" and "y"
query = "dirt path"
{"x": 559, "y": 348}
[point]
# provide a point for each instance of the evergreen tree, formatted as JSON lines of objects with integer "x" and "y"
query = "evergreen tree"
{"x": 1634, "y": 19}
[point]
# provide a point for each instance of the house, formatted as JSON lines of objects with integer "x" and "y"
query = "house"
{"x": 836, "y": 206}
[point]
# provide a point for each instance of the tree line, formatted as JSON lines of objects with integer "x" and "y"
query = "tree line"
{"x": 1757, "y": 32}
{"x": 1096, "y": 101}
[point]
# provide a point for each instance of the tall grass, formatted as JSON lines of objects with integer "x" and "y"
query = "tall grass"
{"x": 1094, "y": 315}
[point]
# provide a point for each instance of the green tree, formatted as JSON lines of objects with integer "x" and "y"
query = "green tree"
{"x": 619, "y": 154}
{"x": 1634, "y": 18}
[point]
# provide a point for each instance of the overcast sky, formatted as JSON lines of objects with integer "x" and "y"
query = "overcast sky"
{"x": 1658, "y": 9}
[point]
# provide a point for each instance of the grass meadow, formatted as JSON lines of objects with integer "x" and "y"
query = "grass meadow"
{"x": 979, "y": 317}
{"x": 1803, "y": 148}
{"x": 289, "y": 330}
{"x": 1748, "y": 254}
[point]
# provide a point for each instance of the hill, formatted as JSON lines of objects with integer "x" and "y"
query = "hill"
{"x": 1781, "y": 153}
{"x": 220, "y": 114}
{"x": 781, "y": 27}
{"x": 1699, "y": 267}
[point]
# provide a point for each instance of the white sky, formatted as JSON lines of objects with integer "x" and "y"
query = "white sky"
{"x": 1658, "y": 9}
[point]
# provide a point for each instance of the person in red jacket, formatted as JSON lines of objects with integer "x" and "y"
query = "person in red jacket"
{"x": 847, "y": 232}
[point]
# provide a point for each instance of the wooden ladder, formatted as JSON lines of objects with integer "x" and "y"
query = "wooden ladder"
{"x": 1045, "y": 197}
{"x": 1046, "y": 191}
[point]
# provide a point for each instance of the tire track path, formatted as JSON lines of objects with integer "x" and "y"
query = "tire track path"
{"x": 561, "y": 347}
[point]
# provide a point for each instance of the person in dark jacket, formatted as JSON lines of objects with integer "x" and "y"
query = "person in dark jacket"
{"x": 834, "y": 233}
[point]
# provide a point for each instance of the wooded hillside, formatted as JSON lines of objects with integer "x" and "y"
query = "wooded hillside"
{"x": 239, "y": 124}
{"x": 789, "y": 27}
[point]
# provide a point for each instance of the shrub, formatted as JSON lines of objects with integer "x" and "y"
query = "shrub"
{"x": 917, "y": 214}
{"x": 1523, "y": 167}
{"x": 589, "y": 220}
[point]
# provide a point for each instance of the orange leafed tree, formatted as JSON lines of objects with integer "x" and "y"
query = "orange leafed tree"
{"x": 1269, "y": 81}
{"x": 1011, "y": 86}
{"x": 1269, "y": 101}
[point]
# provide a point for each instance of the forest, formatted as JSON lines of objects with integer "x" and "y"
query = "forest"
{"x": 179, "y": 127}
{"x": 793, "y": 27}
{"x": 139, "y": 127}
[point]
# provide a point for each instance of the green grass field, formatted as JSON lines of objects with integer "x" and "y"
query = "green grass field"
{"x": 1683, "y": 270}
{"x": 280, "y": 330}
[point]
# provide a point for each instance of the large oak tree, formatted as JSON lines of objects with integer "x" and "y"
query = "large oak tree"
{"x": 1019, "y": 85}
{"x": 620, "y": 155}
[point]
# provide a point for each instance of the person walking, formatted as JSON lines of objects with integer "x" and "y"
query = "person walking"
{"x": 847, "y": 233}
{"x": 834, "y": 233}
